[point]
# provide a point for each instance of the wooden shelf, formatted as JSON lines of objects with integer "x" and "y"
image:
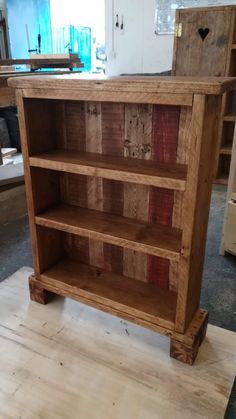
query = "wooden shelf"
{"x": 152, "y": 239}
{"x": 229, "y": 118}
{"x": 226, "y": 150}
{"x": 146, "y": 172}
{"x": 233, "y": 46}
{"x": 223, "y": 180}
{"x": 115, "y": 293}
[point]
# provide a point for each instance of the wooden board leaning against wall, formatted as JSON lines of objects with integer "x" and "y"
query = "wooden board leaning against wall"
{"x": 205, "y": 45}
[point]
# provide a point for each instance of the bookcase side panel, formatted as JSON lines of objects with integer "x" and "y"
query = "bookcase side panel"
{"x": 203, "y": 138}
{"x": 22, "y": 117}
{"x": 204, "y": 189}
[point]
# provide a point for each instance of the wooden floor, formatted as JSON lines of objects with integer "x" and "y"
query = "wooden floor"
{"x": 66, "y": 360}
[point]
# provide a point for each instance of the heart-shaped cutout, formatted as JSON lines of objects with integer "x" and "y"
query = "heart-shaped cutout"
{"x": 203, "y": 32}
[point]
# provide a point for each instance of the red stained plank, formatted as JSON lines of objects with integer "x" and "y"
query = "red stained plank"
{"x": 164, "y": 149}
{"x": 158, "y": 271}
{"x": 161, "y": 206}
{"x": 165, "y": 128}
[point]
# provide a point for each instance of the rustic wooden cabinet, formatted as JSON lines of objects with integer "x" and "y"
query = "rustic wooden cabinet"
{"x": 118, "y": 175}
{"x": 205, "y": 45}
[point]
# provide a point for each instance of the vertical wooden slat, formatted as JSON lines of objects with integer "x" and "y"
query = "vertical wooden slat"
{"x": 182, "y": 157}
{"x": 165, "y": 133}
{"x": 59, "y": 123}
{"x": 74, "y": 189}
{"x": 195, "y": 133}
{"x": 75, "y": 125}
{"x": 40, "y": 128}
{"x": 94, "y": 185}
{"x": 138, "y": 130}
{"x": 197, "y": 196}
{"x": 76, "y": 248}
{"x": 113, "y": 128}
{"x": 24, "y": 124}
{"x": 113, "y": 192}
{"x": 164, "y": 149}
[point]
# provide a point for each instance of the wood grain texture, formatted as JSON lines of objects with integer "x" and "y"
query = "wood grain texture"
{"x": 122, "y": 293}
{"x": 124, "y": 88}
{"x": 137, "y": 145}
{"x": 38, "y": 293}
{"x": 203, "y": 149}
{"x": 143, "y": 97}
{"x": 113, "y": 121}
{"x": 182, "y": 157}
{"x": 75, "y": 126}
{"x": 195, "y": 57}
{"x": 164, "y": 149}
{"x": 112, "y": 294}
{"x": 120, "y": 363}
{"x": 111, "y": 167}
{"x": 25, "y": 146}
{"x": 94, "y": 185}
{"x": 188, "y": 353}
{"x": 40, "y": 133}
{"x": 153, "y": 239}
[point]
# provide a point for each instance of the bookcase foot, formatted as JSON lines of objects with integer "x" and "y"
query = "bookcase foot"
{"x": 183, "y": 352}
{"x": 185, "y": 348}
{"x": 38, "y": 293}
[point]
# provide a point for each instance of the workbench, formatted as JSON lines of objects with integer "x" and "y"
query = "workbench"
{"x": 7, "y": 95}
{"x": 38, "y": 61}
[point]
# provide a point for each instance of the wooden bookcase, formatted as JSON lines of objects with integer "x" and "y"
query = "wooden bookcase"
{"x": 118, "y": 175}
{"x": 212, "y": 55}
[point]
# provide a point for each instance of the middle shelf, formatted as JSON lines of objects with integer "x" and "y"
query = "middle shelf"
{"x": 140, "y": 171}
{"x": 153, "y": 239}
{"x": 226, "y": 150}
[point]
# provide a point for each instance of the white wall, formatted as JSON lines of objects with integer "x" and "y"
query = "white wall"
{"x": 137, "y": 49}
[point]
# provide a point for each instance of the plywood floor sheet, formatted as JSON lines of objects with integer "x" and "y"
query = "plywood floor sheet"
{"x": 66, "y": 360}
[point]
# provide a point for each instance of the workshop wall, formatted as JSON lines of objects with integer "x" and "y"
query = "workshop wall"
{"x": 136, "y": 48}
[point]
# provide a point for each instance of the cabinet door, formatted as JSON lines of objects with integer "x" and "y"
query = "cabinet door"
{"x": 202, "y": 48}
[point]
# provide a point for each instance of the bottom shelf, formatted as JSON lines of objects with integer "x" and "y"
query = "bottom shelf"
{"x": 112, "y": 293}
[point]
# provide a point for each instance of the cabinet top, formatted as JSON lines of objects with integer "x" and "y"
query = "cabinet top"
{"x": 122, "y": 84}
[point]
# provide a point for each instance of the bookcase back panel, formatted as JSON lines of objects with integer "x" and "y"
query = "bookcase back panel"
{"x": 139, "y": 131}
{"x": 130, "y": 130}
{"x": 114, "y": 259}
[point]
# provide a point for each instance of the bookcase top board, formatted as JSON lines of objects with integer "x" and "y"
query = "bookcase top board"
{"x": 131, "y": 84}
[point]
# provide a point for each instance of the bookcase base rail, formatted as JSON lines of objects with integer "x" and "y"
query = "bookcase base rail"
{"x": 183, "y": 347}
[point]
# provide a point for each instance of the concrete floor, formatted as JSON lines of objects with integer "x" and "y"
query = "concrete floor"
{"x": 219, "y": 279}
